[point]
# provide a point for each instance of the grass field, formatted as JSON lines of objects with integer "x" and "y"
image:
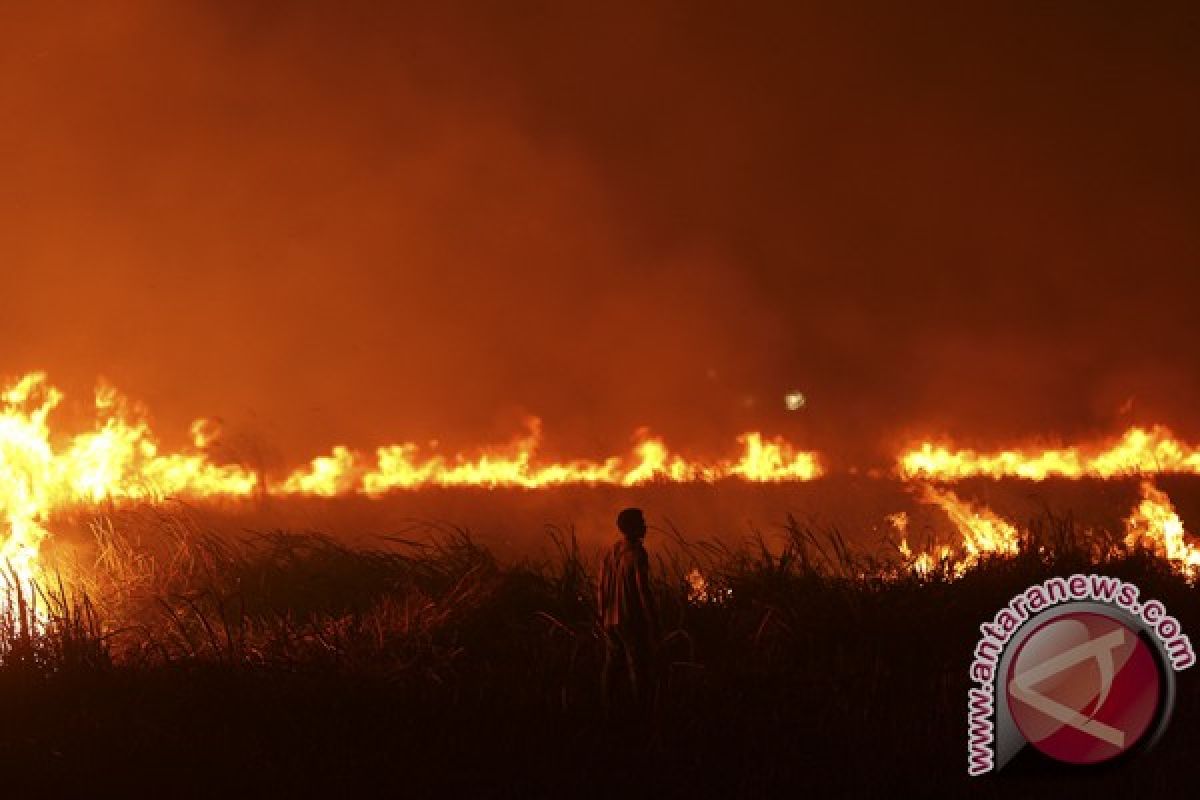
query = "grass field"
{"x": 171, "y": 655}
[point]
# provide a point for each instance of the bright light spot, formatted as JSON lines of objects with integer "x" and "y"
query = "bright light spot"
{"x": 794, "y": 400}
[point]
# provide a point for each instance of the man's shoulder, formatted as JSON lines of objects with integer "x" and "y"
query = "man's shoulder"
{"x": 633, "y": 552}
{"x": 623, "y": 549}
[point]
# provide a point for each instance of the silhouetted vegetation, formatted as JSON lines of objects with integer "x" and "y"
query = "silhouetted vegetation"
{"x": 172, "y": 661}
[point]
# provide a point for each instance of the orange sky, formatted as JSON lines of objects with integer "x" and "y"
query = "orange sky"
{"x": 361, "y": 222}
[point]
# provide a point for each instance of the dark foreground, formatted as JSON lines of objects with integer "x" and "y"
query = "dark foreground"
{"x": 289, "y": 666}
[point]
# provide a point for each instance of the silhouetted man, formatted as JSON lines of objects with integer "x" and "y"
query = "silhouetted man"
{"x": 628, "y": 614}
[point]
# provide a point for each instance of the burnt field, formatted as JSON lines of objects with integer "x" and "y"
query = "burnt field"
{"x": 356, "y": 647}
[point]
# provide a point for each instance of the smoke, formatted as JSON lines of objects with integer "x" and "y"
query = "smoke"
{"x": 345, "y": 223}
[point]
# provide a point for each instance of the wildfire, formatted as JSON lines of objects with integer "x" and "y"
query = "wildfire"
{"x": 924, "y": 563}
{"x": 983, "y": 533}
{"x": 119, "y": 460}
{"x": 325, "y": 476}
{"x": 1139, "y": 451}
{"x": 400, "y": 467}
{"x": 1155, "y": 525}
{"x": 26, "y": 477}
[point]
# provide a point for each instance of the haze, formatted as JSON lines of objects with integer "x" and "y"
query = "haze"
{"x": 362, "y": 223}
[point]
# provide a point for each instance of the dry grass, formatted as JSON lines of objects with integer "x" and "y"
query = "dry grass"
{"x": 315, "y": 664}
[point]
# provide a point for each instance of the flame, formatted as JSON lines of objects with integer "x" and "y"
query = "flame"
{"x": 657, "y": 462}
{"x": 400, "y": 467}
{"x": 983, "y": 533}
{"x": 26, "y": 481}
{"x": 1139, "y": 451}
{"x": 773, "y": 461}
{"x": 205, "y": 432}
{"x": 926, "y": 563}
{"x": 325, "y": 475}
{"x": 1156, "y": 526}
{"x": 119, "y": 460}
{"x": 697, "y": 587}
{"x": 700, "y": 591}
{"x": 922, "y": 564}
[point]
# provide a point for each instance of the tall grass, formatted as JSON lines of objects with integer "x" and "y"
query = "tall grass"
{"x": 804, "y": 652}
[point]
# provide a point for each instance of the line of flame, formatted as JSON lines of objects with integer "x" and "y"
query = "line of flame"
{"x": 119, "y": 460}
{"x": 1139, "y": 451}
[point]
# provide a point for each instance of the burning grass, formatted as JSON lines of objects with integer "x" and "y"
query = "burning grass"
{"x": 289, "y": 662}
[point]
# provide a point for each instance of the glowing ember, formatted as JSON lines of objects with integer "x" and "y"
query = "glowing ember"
{"x": 697, "y": 587}
{"x": 1138, "y": 452}
{"x": 701, "y": 592}
{"x": 1155, "y": 526}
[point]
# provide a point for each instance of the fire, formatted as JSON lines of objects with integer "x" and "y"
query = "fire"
{"x": 773, "y": 461}
{"x": 26, "y": 480}
{"x": 325, "y": 476}
{"x": 1139, "y": 451}
{"x": 119, "y": 460}
{"x": 697, "y": 587}
{"x": 701, "y": 591}
{"x": 657, "y": 462}
{"x": 1155, "y": 525}
{"x": 923, "y": 564}
{"x": 983, "y": 533}
{"x": 400, "y": 467}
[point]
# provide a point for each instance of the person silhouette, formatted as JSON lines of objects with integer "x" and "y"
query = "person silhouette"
{"x": 628, "y": 613}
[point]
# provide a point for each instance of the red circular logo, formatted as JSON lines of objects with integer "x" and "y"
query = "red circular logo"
{"x": 1083, "y": 688}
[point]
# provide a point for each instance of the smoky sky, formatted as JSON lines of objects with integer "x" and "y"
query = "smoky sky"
{"x": 356, "y": 223}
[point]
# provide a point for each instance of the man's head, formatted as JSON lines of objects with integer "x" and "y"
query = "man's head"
{"x": 631, "y": 523}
